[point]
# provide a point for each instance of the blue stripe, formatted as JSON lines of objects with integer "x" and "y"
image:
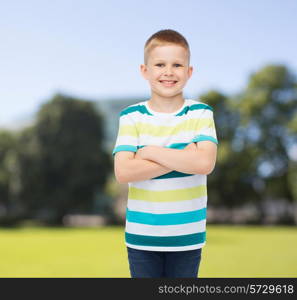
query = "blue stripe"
{"x": 171, "y": 146}
{"x": 140, "y": 108}
{"x": 194, "y": 107}
{"x": 135, "y": 148}
{"x": 143, "y": 110}
{"x": 173, "y": 174}
{"x": 166, "y": 219}
{"x": 124, "y": 148}
{"x": 166, "y": 241}
{"x": 202, "y": 137}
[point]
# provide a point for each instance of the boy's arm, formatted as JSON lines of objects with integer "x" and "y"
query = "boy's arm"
{"x": 130, "y": 167}
{"x": 200, "y": 160}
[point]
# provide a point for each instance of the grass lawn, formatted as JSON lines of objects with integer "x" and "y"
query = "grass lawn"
{"x": 230, "y": 251}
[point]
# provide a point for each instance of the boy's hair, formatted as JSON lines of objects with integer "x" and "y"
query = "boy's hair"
{"x": 165, "y": 37}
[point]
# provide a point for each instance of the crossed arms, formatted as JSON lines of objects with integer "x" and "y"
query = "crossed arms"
{"x": 153, "y": 161}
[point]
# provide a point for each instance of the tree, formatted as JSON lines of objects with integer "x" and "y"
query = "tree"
{"x": 267, "y": 107}
{"x": 7, "y": 147}
{"x": 70, "y": 164}
{"x": 228, "y": 184}
{"x": 256, "y": 130}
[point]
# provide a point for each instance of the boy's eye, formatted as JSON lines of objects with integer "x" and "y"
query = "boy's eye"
{"x": 176, "y": 65}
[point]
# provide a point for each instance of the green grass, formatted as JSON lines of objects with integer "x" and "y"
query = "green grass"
{"x": 231, "y": 251}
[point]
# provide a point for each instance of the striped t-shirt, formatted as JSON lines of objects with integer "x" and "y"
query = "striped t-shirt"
{"x": 168, "y": 212}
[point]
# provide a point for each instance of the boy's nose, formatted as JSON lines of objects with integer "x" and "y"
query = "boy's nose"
{"x": 168, "y": 71}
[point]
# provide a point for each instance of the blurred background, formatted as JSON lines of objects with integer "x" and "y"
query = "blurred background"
{"x": 67, "y": 69}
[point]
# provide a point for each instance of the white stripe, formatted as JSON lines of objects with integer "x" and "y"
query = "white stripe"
{"x": 144, "y": 139}
{"x": 150, "y": 248}
{"x": 126, "y": 140}
{"x": 126, "y": 120}
{"x": 181, "y": 137}
{"x": 165, "y": 230}
{"x": 170, "y": 122}
{"x": 167, "y": 207}
{"x": 168, "y": 184}
{"x": 207, "y": 131}
{"x": 173, "y": 121}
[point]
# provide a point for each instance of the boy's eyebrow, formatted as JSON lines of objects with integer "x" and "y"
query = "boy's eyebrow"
{"x": 162, "y": 60}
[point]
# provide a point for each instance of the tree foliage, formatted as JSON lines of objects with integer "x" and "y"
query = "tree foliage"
{"x": 256, "y": 131}
{"x": 59, "y": 165}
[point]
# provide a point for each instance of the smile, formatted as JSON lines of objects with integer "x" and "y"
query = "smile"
{"x": 168, "y": 83}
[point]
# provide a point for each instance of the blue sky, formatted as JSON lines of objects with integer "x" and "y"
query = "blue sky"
{"x": 93, "y": 49}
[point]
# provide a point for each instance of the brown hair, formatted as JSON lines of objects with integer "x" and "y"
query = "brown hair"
{"x": 165, "y": 37}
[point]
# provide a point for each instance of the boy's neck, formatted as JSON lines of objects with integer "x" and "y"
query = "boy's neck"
{"x": 166, "y": 105}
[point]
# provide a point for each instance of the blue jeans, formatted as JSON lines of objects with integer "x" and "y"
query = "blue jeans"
{"x": 157, "y": 264}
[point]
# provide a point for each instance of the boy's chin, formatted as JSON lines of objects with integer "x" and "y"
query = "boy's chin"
{"x": 169, "y": 94}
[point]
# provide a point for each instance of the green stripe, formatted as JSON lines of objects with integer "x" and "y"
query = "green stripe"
{"x": 167, "y": 195}
{"x": 143, "y": 110}
{"x": 166, "y": 241}
{"x": 173, "y": 174}
{"x": 124, "y": 148}
{"x": 202, "y": 137}
{"x": 193, "y": 124}
{"x": 194, "y": 107}
{"x": 140, "y": 108}
{"x": 166, "y": 219}
{"x": 172, "y": 146}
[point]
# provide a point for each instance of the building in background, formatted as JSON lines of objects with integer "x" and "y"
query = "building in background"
{"x": 111, "y": 109}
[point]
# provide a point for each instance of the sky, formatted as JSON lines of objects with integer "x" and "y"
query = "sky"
{"x": 93, "y": 49}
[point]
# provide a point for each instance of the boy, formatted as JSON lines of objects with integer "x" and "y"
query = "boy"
{"x": 165, "y": 148}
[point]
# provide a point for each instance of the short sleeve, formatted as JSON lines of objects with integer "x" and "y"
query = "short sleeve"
{"x": 127, "y": 138}
{"x": 205, "y": 128}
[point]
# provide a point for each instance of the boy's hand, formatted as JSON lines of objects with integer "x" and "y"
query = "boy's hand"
{"x": 190, "y": 147}
{"x": 138, "y": 154}
{"x": 144, "y": 152}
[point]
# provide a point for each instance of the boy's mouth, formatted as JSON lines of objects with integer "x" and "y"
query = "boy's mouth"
{"x": 168, "y": 83}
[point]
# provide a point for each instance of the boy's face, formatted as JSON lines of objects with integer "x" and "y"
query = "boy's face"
{"x": 167, "y": 70}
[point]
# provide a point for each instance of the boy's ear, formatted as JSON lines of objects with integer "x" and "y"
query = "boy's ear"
{"x": 143, "y": 70}
{"x": 190, "y": 71}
